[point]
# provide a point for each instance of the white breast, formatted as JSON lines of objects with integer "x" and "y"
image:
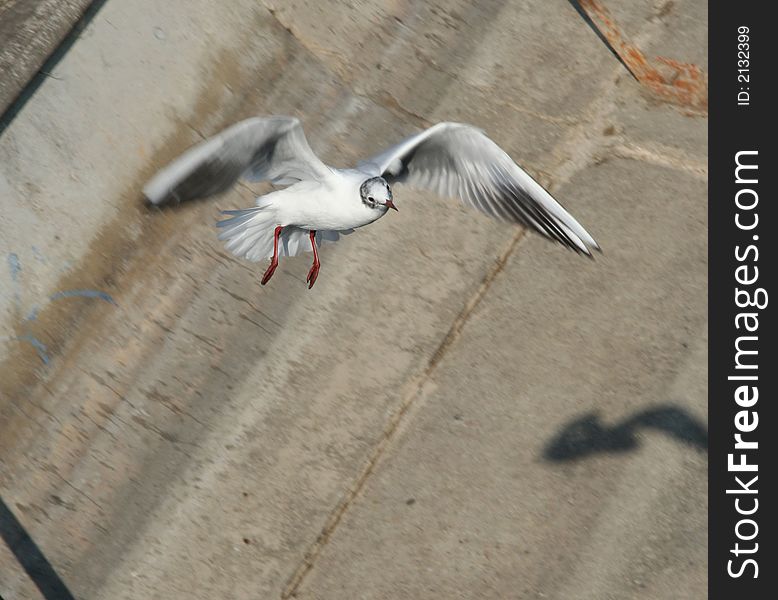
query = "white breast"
{"x": 332, "y": 205}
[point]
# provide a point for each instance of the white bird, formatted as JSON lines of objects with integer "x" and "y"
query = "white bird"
{"x": 322, "y": 202}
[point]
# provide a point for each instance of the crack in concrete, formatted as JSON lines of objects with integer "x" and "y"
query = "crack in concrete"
{"x": 386, "y": 99}
{"x": 389, "y": 102}
{"x": 54, "y": 472}
{"x": 397, "y": 418}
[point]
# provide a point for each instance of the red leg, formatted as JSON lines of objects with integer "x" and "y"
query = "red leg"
{"x": 314, "y": 272}
{"x": 274, "y": 261}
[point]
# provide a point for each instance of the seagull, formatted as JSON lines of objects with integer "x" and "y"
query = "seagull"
{"x": 321, "y": 203}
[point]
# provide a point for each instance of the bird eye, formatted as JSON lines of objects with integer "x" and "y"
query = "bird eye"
{"x": 371, "y": 199}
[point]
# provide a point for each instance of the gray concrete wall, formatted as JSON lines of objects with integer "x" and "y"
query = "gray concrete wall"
{"x": 457, "y": 409}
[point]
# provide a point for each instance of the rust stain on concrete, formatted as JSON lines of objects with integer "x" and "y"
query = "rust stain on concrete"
{"x": 672, "y": 81}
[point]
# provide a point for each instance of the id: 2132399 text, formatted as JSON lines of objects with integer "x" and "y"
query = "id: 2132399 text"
{"x": 744, "y": 65}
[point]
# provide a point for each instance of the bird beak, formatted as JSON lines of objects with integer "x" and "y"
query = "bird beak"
{"x": 390, "y": 204}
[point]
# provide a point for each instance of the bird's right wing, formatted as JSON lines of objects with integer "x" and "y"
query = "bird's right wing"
{"x": 273, "y": 149}
{"x": 457, "y": 160}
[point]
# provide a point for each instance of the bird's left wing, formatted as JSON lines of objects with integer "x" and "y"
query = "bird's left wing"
{"x": 272, "y": 148}
{"x": 459, "y": 160}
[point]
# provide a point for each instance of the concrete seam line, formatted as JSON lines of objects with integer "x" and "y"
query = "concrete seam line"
{"x": 397, "y": 418}
{"x": 663, "y": 156}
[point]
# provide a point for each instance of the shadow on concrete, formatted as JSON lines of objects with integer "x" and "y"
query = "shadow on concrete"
{"x": 588, "y": 435}
{"x": 30, "y": 557}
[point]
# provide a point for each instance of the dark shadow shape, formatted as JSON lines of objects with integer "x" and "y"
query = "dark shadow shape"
{"x": 587, "y": 435}
{"x": 30, "y": 557}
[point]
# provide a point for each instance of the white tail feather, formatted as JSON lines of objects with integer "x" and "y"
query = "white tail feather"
{"x": 249, "y": 234}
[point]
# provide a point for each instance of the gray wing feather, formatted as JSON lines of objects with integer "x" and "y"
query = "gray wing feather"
{"x": 273, "y": 149}
{"x": 459, "y": 160}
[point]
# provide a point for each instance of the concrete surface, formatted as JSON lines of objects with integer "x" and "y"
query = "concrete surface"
{"x": 457, "y": 409}
{"x": 30, "y": 31}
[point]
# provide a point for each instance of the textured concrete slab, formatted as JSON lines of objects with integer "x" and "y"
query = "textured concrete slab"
{"x": 168, "y": 427}
{"x": 30, "y": 30}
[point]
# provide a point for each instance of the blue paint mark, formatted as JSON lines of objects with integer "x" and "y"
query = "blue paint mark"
{"x": 15, "y": 269}
{"x": 36, "y": 252}
{"x": 39, "y": 346}
{"x": 14, "y": 266}
{"x": 33, "y": 314}
{"x": 84, "y": 294}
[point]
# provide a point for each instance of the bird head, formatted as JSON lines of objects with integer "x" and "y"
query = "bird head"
{"x": 376, "y": 194}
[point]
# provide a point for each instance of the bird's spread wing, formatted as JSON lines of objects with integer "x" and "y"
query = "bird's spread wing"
{"x": 453, "y": 159}
{"x": 273, "y": 149}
